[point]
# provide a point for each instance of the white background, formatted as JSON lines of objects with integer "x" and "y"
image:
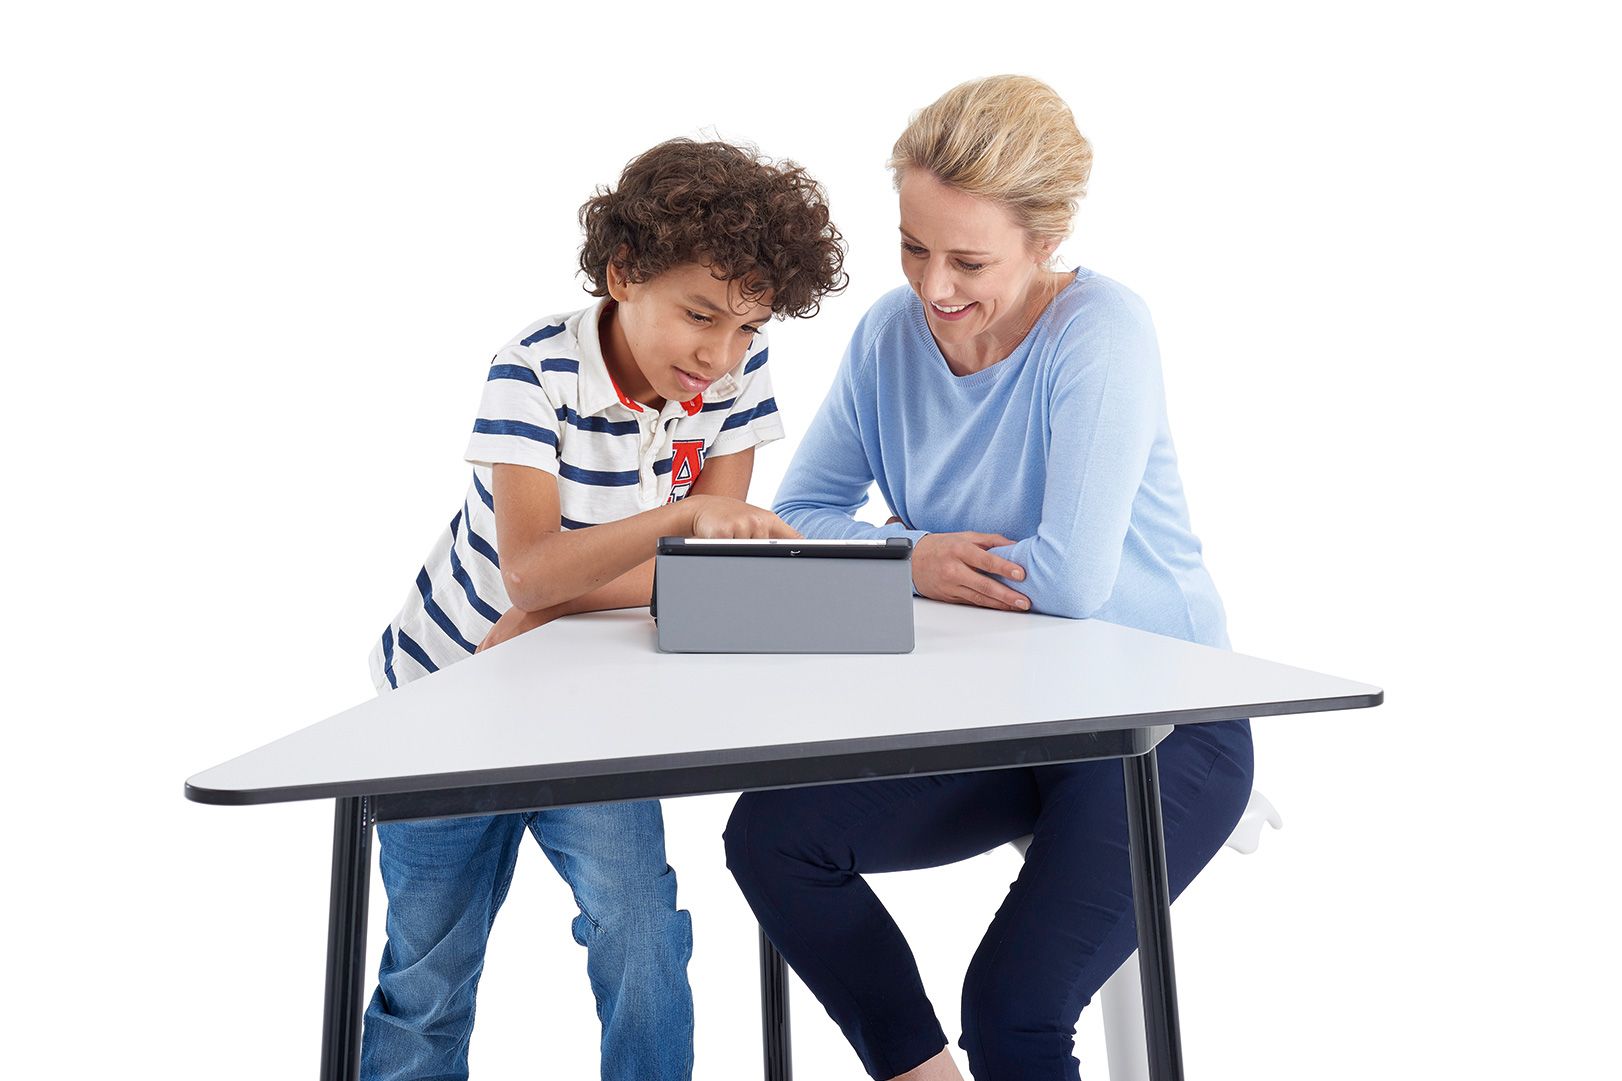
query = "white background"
{"x": 257, "y": 257}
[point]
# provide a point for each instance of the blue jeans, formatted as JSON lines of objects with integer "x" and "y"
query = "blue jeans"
{"x": 799, "y": 855}
{"x": 446, "y": 879}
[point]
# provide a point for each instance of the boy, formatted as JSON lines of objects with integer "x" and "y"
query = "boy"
{"x": 636, "y": 417}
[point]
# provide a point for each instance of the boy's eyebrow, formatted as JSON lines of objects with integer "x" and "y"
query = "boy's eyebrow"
{"x": 954, "y": 251}
{"x": 702, "y": 303}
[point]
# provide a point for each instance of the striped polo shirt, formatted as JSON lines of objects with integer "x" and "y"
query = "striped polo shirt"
{"x": 549, "y": 403}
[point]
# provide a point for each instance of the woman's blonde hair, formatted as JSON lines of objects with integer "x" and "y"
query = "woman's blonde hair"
{"x": 1010, "y": 139}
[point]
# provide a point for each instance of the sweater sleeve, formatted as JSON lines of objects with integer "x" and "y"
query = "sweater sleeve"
{"x": 1104, "y": 414}
{"x": 828, "y": 480}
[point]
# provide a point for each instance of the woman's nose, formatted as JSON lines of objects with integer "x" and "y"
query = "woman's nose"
{"x": 936, "y": 283}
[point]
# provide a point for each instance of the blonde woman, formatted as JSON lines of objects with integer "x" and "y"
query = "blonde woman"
{"x": 1013, "y": 417}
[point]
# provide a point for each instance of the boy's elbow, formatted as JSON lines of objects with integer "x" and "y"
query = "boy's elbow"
{"x": 527, "y": 586}
{"x": 522, "y": 588}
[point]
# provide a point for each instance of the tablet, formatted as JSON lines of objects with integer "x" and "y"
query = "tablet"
{"x": 883, "y": 548}
{"x": 783, "y": 596}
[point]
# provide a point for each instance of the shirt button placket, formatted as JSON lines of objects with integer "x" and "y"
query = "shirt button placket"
{"x": 648, "y": 483}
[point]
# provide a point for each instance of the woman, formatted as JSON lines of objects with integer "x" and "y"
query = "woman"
{"x": 1014, "y": 420}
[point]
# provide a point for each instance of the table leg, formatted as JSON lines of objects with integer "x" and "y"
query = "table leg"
{"x": 1151, "y": 900}
{"x": 346, "y": 939}
{"x": 774, "y": 1012}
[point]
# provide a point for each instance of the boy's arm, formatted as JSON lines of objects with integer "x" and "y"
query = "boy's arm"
{"x": 543, "y": 567}
{"x": 726, "y": 477}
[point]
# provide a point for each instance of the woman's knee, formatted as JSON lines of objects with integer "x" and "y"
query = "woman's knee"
{"x": 754, "y": 837}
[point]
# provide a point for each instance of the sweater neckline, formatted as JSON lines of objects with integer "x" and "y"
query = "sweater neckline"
{"x": 991, "y": 372}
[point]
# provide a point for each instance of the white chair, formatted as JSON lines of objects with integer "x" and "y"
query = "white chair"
{"x": 1121, "y": 998}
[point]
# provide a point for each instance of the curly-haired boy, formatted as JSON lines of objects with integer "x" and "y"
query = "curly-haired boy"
{"x": 636, "y": 417}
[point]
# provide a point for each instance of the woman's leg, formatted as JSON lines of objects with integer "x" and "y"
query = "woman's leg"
{"x": 1067, "y": 923}
{"x": 637, "y": 941}
{"x": 799, "y": 854}
{"x": 445, "y": 880}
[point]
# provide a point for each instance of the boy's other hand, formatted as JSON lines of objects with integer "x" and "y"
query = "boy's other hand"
{"x": 515, "y": 622}
{"x": 719, "y": 516}
{"x": 957, "y": 567}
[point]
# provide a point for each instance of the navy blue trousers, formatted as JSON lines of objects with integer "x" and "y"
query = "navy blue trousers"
{"x": 1066, "y": 925}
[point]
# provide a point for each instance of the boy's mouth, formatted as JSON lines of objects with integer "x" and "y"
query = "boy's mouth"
{"x": 951, "y": 312}
{"x": 692, "y": 384}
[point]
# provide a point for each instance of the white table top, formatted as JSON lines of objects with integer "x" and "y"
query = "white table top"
{"x": 592, "y": 695}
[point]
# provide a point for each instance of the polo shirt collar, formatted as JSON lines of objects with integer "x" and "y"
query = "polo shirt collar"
{"x": 598, "y": 393}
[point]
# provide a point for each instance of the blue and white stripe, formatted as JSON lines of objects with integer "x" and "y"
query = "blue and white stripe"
{"x": 549, "y": 404}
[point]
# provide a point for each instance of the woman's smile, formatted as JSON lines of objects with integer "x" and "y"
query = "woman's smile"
{"x": 952, "y": 312}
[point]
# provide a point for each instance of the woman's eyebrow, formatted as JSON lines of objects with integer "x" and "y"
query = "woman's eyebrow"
{"x": 953, "y": 251}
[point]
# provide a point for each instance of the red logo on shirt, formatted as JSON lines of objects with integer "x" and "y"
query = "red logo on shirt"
{"x": 686, "y": 460}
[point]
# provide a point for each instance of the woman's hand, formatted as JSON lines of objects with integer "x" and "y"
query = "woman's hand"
{"x": 956, "y": 567}
{"x": 515, "y": 622}
{"x": 719, "y": 516}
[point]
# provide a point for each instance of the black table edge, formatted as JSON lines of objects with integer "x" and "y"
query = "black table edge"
{"x": 787, "y": 765}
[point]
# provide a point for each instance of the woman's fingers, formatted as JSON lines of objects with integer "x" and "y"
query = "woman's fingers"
{"x": 983, "y": 586}
{"x": 989, "y": 540}
{"x": 980, "y": 559}
{"x": 1001, "y": 595}
{"x": 968, "y": 594}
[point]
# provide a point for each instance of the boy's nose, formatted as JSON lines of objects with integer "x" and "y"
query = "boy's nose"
{"x": 711, "y": 359}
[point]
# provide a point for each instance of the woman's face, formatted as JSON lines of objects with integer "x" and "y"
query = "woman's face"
{"x": 972, "y": 265}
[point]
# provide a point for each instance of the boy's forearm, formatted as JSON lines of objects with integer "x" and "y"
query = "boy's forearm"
{"x": 633, "y": 589}
{"x": 568, "y": 569}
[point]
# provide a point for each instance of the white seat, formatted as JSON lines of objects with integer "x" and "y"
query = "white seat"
{"x": 1121, "y": 998}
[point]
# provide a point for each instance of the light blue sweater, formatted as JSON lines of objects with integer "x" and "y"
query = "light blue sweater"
{"x": 1063, "y": 446}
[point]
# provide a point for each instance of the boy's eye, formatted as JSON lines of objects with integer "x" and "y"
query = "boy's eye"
{"x": 697, "y": 318}
{"x": 750, "y": 331}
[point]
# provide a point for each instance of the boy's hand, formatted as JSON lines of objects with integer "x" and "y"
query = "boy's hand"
{"x": 957, "y": 567}
{"x": 719, "y": 516}
{"x": 515, "y": 622}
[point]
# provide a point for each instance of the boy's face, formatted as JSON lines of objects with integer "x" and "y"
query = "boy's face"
{"x": 672, "y": 336}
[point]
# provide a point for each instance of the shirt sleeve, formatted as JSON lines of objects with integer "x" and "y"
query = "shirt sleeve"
{"x": 831, "y": 474}
{"x": 517, "y": 422}
{"x": 1105, "y": 414}
{"x": 752, "y": 418}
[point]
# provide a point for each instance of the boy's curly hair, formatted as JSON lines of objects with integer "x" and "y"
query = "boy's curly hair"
{"x": 762, "y": 224}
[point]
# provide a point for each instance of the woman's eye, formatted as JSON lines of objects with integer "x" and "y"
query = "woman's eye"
{"x": 972, "y": 267}
{"x": 913, "y": 249}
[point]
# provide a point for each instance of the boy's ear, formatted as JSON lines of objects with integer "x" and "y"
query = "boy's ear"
{"x": 618, "y": 284}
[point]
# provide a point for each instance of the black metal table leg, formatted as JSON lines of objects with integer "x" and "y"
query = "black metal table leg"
{"x": 774, "y": 1012}
{"x": 346, "y": 939}
{"x": 1151, "y": 900}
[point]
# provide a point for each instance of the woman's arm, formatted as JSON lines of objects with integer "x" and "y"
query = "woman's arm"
{"x": 828, "y": 481}
{"x": 1104, "y": 417}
